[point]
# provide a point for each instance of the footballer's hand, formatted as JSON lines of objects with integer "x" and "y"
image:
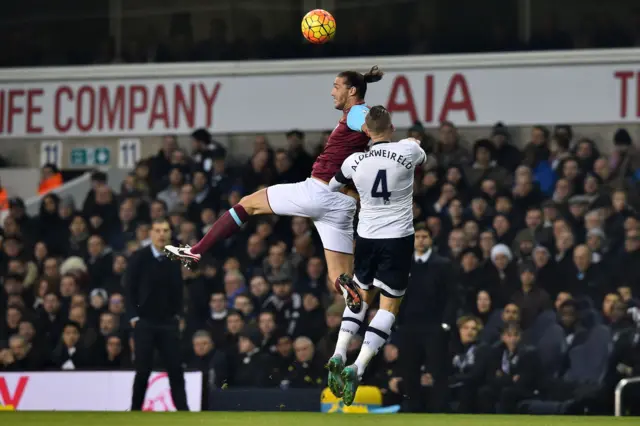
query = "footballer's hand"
{"x": 133, "y": 322}
{"x": 516, "y": 378}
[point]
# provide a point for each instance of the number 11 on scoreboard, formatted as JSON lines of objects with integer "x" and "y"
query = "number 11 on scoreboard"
{"x": 129, "y": 153}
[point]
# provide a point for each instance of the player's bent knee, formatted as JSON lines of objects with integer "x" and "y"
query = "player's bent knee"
{"x": 368, "y": 296}
{"x": 256, "y": 203}
{"x": 391, "y": 304}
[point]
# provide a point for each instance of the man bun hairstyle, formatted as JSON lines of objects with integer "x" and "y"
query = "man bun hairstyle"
{"x": 373, "y": 75}
{"x": 360, "y": 81}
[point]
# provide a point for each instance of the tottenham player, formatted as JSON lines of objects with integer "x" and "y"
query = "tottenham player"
{"x": 332, "y": 212}
{"x": 383, "y": 177}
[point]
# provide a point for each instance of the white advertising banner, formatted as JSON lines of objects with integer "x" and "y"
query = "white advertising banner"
{"x": 517, "y": 95}
{"x": 91, "y": 391}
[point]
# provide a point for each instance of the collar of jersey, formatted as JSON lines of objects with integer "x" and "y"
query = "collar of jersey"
{"x": 379, "y": 142}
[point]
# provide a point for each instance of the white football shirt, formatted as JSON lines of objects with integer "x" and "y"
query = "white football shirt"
{"x": 383, "y": 177}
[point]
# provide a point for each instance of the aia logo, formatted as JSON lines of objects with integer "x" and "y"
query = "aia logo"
{"x": 11, "y": 393}
{"x": 158, "y": 396}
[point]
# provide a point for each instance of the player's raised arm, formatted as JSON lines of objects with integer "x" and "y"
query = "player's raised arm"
{"x": 344, "y": 174}
{"x": 419, "y": 156}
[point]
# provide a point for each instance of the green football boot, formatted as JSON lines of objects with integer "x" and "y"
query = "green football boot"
{"x": 351, "y": 381}
{"x": 335, "y": 367}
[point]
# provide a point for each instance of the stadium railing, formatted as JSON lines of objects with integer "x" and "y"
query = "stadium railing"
{"x": 76, "y": 188}
{"x": 622, "y": 384}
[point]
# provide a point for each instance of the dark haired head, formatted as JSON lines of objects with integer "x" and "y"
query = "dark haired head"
{"x": 359, "y": 81}
{"x": 159, "y": 221}
{"x": 232, "y": 312}
{"x": 73, "y": 324}
{"x": 201, "y": 135}
{"x": 511, "y": 327}
{"x": 421, "y": 227}
{"x": 378, "y": 120}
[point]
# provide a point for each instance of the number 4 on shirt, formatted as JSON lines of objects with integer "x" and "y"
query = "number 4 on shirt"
{"x": 380, "y": 188}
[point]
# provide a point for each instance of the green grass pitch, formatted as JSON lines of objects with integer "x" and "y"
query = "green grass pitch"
{"x": 292, "y": 419}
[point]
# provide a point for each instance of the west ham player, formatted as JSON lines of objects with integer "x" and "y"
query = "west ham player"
{"x": 383, "y": 177}
{"x": 332, "y": 212}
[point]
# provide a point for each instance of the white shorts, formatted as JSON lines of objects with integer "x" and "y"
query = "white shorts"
{"x": 332, "y": 212}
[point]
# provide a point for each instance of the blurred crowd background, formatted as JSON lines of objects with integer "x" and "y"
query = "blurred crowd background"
{"x": 526, "y": 275}
{"x": 142, "y": 31}
{"x": 529, "y": 288}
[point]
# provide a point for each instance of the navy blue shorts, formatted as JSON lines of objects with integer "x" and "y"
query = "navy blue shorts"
{"x": 384, "y": 263}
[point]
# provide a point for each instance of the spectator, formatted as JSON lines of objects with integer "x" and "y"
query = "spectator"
{"x": 625, "y": 160}
{"x": 485, "y": 166}
{"x": 115, "y": 357}
{"x": 251, "y": 365}
{"x": 126, "y": 229}
{"x": 531, "y": 299}
{"x": 491, "y": 332}
{"x": 21, "y": 356}
{"x": 50, "y": 179}
{"x": 210, "y": 360}
{"x": 301, "y": 161}
{"x": 308, "y": 370}
{"x": 259, "y": 289}
{"x": 99, "y": 261}
{"x": 450, "y": 150}
{"x": 513, "y": 373}
{"x": 468, "y": 365}
{"x": 502, "y": 275}
{"x": 51, "y": 229}
{"x": 235, "y": 325}
{"x": 286, "y": 304}
{"x": 585, "y": 281}
{"x": 78, "y": 237}
{"x": 276, "y": 265}
{"x": 170, "y": 196}
{"x": 285, "y": 172}
{"x": 283, "y": 357}
{"x": 4, "y": 198}
{"x": 12, "y": 322}
{"x": 482, "y": 309}
{"x": 70, "y": 355}
{"x": 205, "y": 149}
{"x": 103, "y": 213}
{"x": 507, "y": 155}
{"x": 39, "y": 349}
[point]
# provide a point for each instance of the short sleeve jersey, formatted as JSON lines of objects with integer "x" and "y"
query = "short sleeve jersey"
{"x": 383, "y": 177}
{"x": 345, "y": 139}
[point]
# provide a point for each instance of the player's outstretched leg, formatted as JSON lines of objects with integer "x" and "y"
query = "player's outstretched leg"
{"x": 226, "y": 225}
{"x": 377, "y": 334}
{"x": 351, "y": 323}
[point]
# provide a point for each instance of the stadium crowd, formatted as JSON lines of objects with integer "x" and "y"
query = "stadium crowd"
{"x": 523, "y": 294}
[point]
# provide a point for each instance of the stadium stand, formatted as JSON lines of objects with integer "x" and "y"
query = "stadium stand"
{"x": 543, "y": 239}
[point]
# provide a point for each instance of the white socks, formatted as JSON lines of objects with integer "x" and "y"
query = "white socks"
{"x": 375, "y": 337}
{"x": 351, "y": 323}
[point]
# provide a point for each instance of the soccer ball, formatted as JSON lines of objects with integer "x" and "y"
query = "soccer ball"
{"x": 318, "y": 26}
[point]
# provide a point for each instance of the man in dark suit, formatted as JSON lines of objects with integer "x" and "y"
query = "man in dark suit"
{"x": 426, "y": 316}
{"x": 154, "y": 296}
